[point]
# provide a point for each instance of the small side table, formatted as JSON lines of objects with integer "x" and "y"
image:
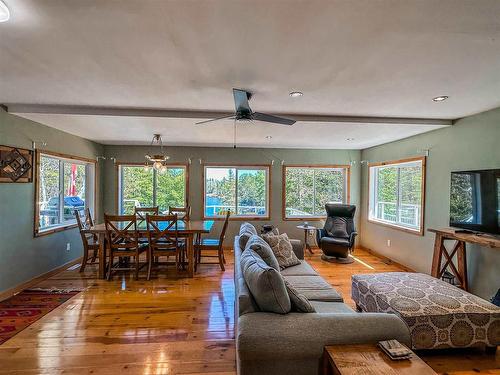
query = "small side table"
{"x": 306, "y": 230}
{"x": 369, "y": 359}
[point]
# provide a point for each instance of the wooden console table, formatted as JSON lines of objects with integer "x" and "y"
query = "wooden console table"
{"x": 440, "y": 251}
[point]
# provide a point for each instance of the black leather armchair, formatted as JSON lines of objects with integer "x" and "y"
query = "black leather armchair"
{"x": 337, "y": 238}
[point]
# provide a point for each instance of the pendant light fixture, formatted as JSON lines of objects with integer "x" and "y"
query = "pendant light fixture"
{"x": 157, "y": 160}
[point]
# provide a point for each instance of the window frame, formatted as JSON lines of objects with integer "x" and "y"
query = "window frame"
{"x": 90, "y": 187}
{"x": 347, "y": 186}
{"x": 233, "y": 216}
{"x": 419, "y": 232}
{"x": 118, "y": 189}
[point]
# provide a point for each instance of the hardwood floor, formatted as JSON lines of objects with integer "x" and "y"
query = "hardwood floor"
{"x": 169, "y": 325}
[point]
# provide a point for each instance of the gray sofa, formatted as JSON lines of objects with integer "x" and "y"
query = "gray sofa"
{"x": 269, "y": 343}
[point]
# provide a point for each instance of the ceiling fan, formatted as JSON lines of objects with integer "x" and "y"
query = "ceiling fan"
{"x": 245, "y": 113}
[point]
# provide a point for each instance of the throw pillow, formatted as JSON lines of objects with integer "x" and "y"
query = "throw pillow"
{"x": 246, "y": 231}
{"x": 299, "y": 302}
{"x": 265, "y": 283}
{"x": 262, "y": 248}
{"x": 282, "y": 249}
{"x": 339, "y": 228}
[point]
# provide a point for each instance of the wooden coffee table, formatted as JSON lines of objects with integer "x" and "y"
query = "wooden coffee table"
{"x": 368, "y": 359}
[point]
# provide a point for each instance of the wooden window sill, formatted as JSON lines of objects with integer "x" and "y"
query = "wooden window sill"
{"x": 418, "y": 232}
{"x": 60, "y": 228}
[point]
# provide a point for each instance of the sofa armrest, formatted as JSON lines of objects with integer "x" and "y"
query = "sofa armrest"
{"x": 266, "y": 336}
{"x": 320, "y": 233}
{"x": 298, "y": 248}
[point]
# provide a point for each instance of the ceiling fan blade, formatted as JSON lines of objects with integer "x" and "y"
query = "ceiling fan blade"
{"x": 215, "y": 119}
{"x": 270, "y": 118}
{"x": 241, "y": 101}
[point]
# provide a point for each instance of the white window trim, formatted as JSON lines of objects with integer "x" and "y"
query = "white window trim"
{"x": 372, "y": 201}
{"x": 346, "y": 170}
{"x": 234, "y": 215}
{"x": 155, "y": 185}
{"x": 90, "y": 190}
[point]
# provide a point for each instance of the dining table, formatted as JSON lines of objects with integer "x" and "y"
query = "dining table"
{"x": 189, "y": 230}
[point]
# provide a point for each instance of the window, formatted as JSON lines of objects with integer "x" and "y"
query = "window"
{"x": 397, "y": 194}
{"x": 64, "y": 184}
{"x": 140, "y": 187}
{"x": 244, "y": 190}
{"x": 306, "y": 189}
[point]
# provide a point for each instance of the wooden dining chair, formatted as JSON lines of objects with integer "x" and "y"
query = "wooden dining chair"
{"x": 123, "y": 241}
{"x": 212, "y": 245}
{"x": 141, "y": 212}
{"x": 163, "y": 237}
{"x": 89, "y": 241}
{"x": 183, "y": 213}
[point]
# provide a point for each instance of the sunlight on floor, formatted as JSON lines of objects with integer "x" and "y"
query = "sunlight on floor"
{"x": 363, "y": 263}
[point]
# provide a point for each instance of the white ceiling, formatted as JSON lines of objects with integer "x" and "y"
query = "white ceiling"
{"x": 383, "y": 58}
{"x": 183, "y": 132}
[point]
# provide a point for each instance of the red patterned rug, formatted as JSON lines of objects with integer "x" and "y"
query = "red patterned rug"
{"x": 23, "y": 309}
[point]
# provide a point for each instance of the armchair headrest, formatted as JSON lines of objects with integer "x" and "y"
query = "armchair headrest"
{"x": 340, "y": 210}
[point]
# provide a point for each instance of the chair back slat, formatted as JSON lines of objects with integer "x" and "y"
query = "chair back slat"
{"x": 162, "y": 237}
{"x": 183, "y": 213}
{"x": 85, "y": 224}
{"x": 141, "y": 212}
{"x": 121, "y": 231}
{"x": 224, "y": 228}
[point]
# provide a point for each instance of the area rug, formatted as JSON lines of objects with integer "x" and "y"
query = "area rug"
{"x": 26, "y": 307}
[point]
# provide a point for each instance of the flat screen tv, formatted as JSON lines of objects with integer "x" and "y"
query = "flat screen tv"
{"x": 475, "y": 200}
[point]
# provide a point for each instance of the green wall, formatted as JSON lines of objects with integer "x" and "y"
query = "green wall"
{"x": 230, "y": 155}
{"x": 472, "y": 143}
{"x": 23, "y": 257}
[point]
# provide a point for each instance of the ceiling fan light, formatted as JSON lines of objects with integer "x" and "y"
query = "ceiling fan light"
{"x": 296, "y": 94}
{"x": 440, "y": 98}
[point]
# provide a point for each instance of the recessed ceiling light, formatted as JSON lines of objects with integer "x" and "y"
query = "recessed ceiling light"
{"x": 269, "y": 137}
{"x": 349, "y": 139}
{"x": 296, "y": 94}
{"x": 4, "y": 12}
{"x": 440, "y": 98}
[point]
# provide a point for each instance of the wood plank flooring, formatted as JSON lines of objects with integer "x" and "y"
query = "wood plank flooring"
{"x": 169, "y": 325}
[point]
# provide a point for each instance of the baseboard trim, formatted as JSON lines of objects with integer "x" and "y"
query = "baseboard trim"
{"x": 28, "y": 284}
{"x": 386, "y": 259}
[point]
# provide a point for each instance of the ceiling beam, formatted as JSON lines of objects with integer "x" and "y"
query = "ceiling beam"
{"x": 194, "y": 114}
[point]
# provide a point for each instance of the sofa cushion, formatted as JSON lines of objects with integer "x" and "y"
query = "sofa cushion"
{"x": 282, "y": 249}
{"x": 331, "y": 308}
{"x": 246, "y": 231}
{"x": 314, "y": 288}
{"x": 265, "y": 283}
{"x": 299, "y": 302}
{"x": 245, "y": 303}
{"x": 302, "y": 269}
{"x": 262, "y": 248}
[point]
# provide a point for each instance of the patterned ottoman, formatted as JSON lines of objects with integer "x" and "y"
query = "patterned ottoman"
{"x": 438, "y": 314}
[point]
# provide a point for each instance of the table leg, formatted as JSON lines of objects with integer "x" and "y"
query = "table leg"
{"x": 306, "y": 244}
{"x": 437, "y": 257}
{"x": 462, "y": 266}
{"x": 102, "y": 255}
{"x": 190, "y": 254}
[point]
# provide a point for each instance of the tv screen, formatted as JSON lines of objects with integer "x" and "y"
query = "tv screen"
{"x": 474, "y": 200}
